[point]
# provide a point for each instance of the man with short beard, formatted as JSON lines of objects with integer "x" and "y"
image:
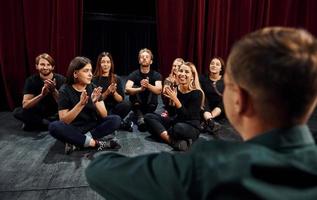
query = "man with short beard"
{"x": 144, "y": 85}
{"x": 39, "y": 105}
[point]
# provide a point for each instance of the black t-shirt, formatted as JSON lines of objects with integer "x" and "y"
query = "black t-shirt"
{"x": 34, "y": 84}
{"x": 153, "y": 76}
{"x": 191, "y": 106}
{"x": 213, "y": 93}
{"x": 104, "y": 82}
{"x": 88, "y": 117}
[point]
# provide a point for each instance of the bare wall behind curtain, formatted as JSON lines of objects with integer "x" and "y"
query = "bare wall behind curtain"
{"x": 198, "y": 30}
{"x": 31, "y": 27}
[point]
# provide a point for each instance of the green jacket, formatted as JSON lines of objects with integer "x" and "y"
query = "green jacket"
{"x": 280, "y": 164}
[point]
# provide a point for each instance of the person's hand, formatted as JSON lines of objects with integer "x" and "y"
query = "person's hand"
{"x": 84, "y": 98}
{"x": 145, "y": 83}
{"x": 45, "y": 90}
{"x": 95, "y": 95}
{"x": 170, "y": 93}
{"x": 112, "y": 88}
{"x": 51, "y": 84}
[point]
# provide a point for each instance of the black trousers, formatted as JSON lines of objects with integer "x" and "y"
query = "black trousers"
{"x": 179, "y": 131}
{"x": 122, "y": 109}
{"x": 33, "y": 118}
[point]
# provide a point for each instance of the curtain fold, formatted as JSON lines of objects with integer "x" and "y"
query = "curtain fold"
{"x": 29, "y": 28}
{"x": 199, "y": 30}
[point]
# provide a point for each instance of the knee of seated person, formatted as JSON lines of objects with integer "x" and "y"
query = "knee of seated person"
{"x": 151, "y": 107}
{"x": 54, "y": 126}
{"x": 149, "y": 116}
{"x": 116, "y": 120}
{"x": 126, "y": 103}
{"x": 180, "y": 128}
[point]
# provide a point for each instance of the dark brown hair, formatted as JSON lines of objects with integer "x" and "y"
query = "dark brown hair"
{"x": 222, "y": 62}
{"x": 98, "y": 70}
{"x": 76, "y": 64}
{"x": 46, "y": 57}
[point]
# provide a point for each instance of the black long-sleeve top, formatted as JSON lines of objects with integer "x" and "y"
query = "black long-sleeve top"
{"x": 213, "y": 93}
{"x": 191, "y": 106}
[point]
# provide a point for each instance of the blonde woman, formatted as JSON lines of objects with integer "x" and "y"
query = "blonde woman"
{"x": 172, "y": 82}
{"x": 182, "y": 130}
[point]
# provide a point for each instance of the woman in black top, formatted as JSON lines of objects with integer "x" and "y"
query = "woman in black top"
{"x": 171, "y": 81}
{"x": 112, "y": 90}
{"x": 83, "y": 118}
{"x": 213, "y": 86}
{"x": 181, "y": 131}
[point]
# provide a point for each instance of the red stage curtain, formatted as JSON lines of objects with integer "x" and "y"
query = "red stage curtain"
{"x": 198, "y": 30}
{"x": 31, "y": 27}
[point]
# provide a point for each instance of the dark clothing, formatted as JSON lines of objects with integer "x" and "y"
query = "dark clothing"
{"x": 177, "y": 131}
{"x": 87, "y": 120}
{"x": 279, "y": 164}
{"x": 70, "y": 134}
{"x": 113, "y": 107}
{"x": 185, "y": 125}
{"x": 44, "y": 109}
{"x": 146, "y": 100}
{"x": 213, "y": 94}
{"x": 88, "y": 117}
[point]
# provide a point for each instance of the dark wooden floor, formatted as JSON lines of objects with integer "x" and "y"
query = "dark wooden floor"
{"x": 33, "y": 164}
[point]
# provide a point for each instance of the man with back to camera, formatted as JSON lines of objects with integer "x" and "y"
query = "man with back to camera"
{"x": 143, "y": 86}
{"x": 270, "y": 92}
{"x": 40, "y": 95}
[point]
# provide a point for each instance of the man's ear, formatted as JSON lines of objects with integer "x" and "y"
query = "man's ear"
{"x": 151, "y": 62}
{"x": 243, "y": 104}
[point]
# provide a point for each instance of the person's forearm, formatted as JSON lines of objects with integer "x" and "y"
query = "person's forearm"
{"x": 133, "y": 91}
{"x": 72, "y": 114}
{"x": 215, "y": 112}
{"x": 27, "y": 104}
{"x": 55, "y": 94}
{"x": 155, "y": 89}
{"x": 117, "y": 97}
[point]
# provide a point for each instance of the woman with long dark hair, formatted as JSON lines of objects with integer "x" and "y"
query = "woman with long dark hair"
{"x": 112, "y": 90}
{"x": 213, "y": 87}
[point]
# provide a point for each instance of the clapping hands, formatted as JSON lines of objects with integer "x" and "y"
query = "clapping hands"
{"x": 95, "y": 95}
{"x": 49, "y": 86}
{"x": 144, "y": 83}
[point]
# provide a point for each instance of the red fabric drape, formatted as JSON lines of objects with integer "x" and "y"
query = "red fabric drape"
{"x": 198, "y": 30}
{"x": 29, "y": 28}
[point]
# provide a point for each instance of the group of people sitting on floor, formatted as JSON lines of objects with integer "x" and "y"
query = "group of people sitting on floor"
{"x": 269, "y": 95}
{"x": 88, "y": 106}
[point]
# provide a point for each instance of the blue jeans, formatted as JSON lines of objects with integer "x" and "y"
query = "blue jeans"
{"x": 67, "y": 133}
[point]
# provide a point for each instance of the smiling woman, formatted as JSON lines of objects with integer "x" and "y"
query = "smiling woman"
{"x": 180, "y": 131}
{"x": 83, "y": 118}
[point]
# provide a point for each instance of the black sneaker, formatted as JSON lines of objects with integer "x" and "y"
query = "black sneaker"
{"x": 69, "y": 148}
{"x": 107, "y": 145}
{"x": 141, "y": 124}
{"x": 127, "y": 126}
{"x": 181, "y": 145}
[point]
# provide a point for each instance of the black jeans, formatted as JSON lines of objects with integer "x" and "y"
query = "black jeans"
{"x": 70, "y": 134}
{"x": 33, "y": 118}
{"x": 179, "y": 131}
{"x": 122, "y": 109}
